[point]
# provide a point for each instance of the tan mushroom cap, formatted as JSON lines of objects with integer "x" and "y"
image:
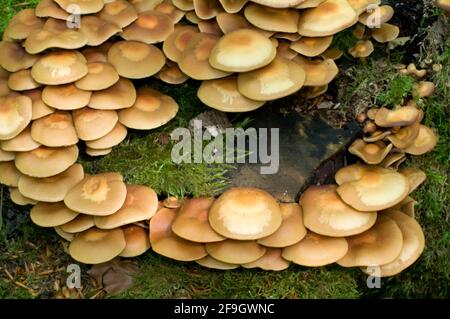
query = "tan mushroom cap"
{"x": 370, "y": 153}
{"x": 425, "y": 141}
{"x": 360, "y": 6}
{"x": 361, "y": 49}
{"x": 50, "y": 9}
{"x": 232, "y": 6}
{"x": 406, "y": 206}
{"x": 311, "y": 92}
{"x": 241, "y": 51}
{"x": 326, "y": 214}
{"x": 292, "y": 228}
{"x": 96, "y": 30}
{"x": 279, "y": 3}
{"x": 92, "y": 124}
{"x": 210, "y": 26}
{"x": 377, "y": 135}
{"x": 272, "y": 19}
{"x": 171, "y": 202}
{"x": 55, "y": 130}
{"x": 6, "y": 156}
{"x": 9, "y": 174}
{"x": 39, "y": 108}
{"x": 245, "y": 213}
{"x": 21, "y": 143}
{"x": 287, "y": 36}
{"x": 22, "y": 24}
{"x": 374, "y": 189}
{"x": 236, "y": 251}
{"x": 51, "y": 189}
{"x": 284, "y": 50}
{"x": 177, "y": 42}
{"x": 415, "y": 177}
{"x": 403, "y": 116}
{"x": 137, "y": 241}
{"x": 13, "y": 57}
{"x": 280, "y": 78}
{"x": 167, "y": 8}
{"x": 315, "y": 250}
{"x": 443, "y": 4}
{"x": 210, "y": 262}
{"x": 121, "y": 95}
{"x": 45, "y": 161}
{"x": 136, "y": 60}
{"x": 166, "y": 243}
{"x": 393, "y": 160}
{"x": 82, "y": 6}
{"x": 140, "y": 204}
{"x": 192, "y": 17}
{"x": 172, "y": 75}
{"x": 311, "y": 46}
{"x": 97, "y": 195}
{"x": 151, "y": 110}
{"x": 119, "y": 12}
{"x": 191, "y": 222}
{"x": 405, "y": 136}
{"x": 4, "y": 88}
{"x": 18, "y": 199}
{"x": 145, "y": 5}
{"x": 95, "y": 246}
{"x": 95, "y": 55}
{"x": 374, "y": 17}
{"x": 184, "y": 5}
{"x": 51, "y": 214}
{"x": 113, "y": 138}
{"x": 59, "y": 67}
{"x": 231, "y": 22}
{"x": 377, "y": 246}
{"x": 66, "y": 236}
{"x": 65, "y": 97}
{"x": 100, "y": 76}
{"x": 318, "y": 72}
{"x": 150, "y": 27}
{"x": 271, "y": 260}
{"x": 194, "y": 60}
{"x": 423, "y": 89}
{"x": 207, "y": 9}
{"x": 22, "y": 81}
{"x": 15, "y": 115}
{"x": 79, "y": 224}
{"x": 330, "y": 17}
{"x": 98, "y": 152}
{"x": 386, "y": 33}
{"x": 223, "y": 95}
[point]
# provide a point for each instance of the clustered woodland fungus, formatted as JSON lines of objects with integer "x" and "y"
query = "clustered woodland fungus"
{"x": 62, "y": 83}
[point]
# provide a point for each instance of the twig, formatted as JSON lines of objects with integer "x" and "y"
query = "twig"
{"x": 9, "y": 275}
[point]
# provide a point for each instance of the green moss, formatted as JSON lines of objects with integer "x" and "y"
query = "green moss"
{"x": 399, "y": 86}
{"x": 8, "y": 8}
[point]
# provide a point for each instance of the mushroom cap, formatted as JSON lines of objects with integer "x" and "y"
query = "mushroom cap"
{"x": 245, "y": 213}
{"x": 178, "y": 40}
{"x": 405, "y": 136}
{"x": 92, "y": 124}
{"x": 113, "y": 138}
{"x": 406, "y": 206}
{"x": 145, "y": 5}
{"x": 119, "y": 12}
{"x": 231, "y": 22}
{"x": 9, "y": 174}
{"x": 192, "y": 17}
{"x": 63, "y": 234}
{"x": 4, "y": 88}
{"x": 21, "y": 143}
{"x": 51, "y": 214}
{"x": 272, "y": 19}
{"x": 292, "y": 228}
{"x": 15, "y": 115}
{"x": 166, "y": 243}
{"x": 100, "y": 76}
{"x": 223, "y": 95}
{"x": 18, "y": 199}
{"x": 140, "y": 204}
{"x": 6, "y": 156}
{"x": 311, "y": 46}
{"x": 136, "y": 60}
{"x": 415, "y": 177}
{"x": 393, "y": 160}
{"x": 374, "y": 189}
{"x": 59, "y": 67}
{"x": 361, "y": 49}
{"x": 50, "y": 9}
{"x": 184, "y": 5}
{"x": 137, "y": 241}
{"x": 96, "y": 30}
{"x": 374, "y": 17}
{"x": 311, "y": 92}
{"x": 326, "y": 214}
{"x": 65, "y": 97}
{"x": 236, "y": 251}
{"x": 172, "y": 11}
{"x": 232, "y": 6}
{"x": 195, "y": 59}
{"x": 361, "y": 6}
{"x": 82, "y": 6}
{"x": 191, "y": 222}
{"x": 443, "y": 4}
{"x": 22, "y": 81}
{"x": 207, "y": 9}
{"x": 271, "y": 260}
{"x": 98, "y": 151}
{"x": 241, "y": 51}
{"x": 279, "y": 3}
{"x": 54, "y": 130}
{"x": 403, "y": 116}
{"x": 121, "y": 95}
{"x": 315, "y": 250}
{"x": 386, "y": 33}
{"x": 284, "y": 50}
{"x": 95, "y": 246}
{"x": 172, "y": 75}
{"x": 150, "y": 27}
{"x": 425, "y": 141}
{"x": 210, "y": 26}
{"x": 377, "y": 246}
{"x": 376, "y": 136}
{"x": 422, "y": 89}
{"x": 328, "y": 18}
{"x": 38, "y": 108}
{"x": 81, "y": 223}
{"x": 413, "y": 244}
{"x": 152, "y": 109}
{"x": 51, "y": 189}
{"x": 371, "y": 153}
{"x": 13, "y": 57}
{"x": 22, "y": 24}
{"x": 280, "y": 78}
{"x": 97, "y": 195}
{"x": 210, "y": 262}
{"x": 46, "y": 161}
{"x": 317, "y": 72}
